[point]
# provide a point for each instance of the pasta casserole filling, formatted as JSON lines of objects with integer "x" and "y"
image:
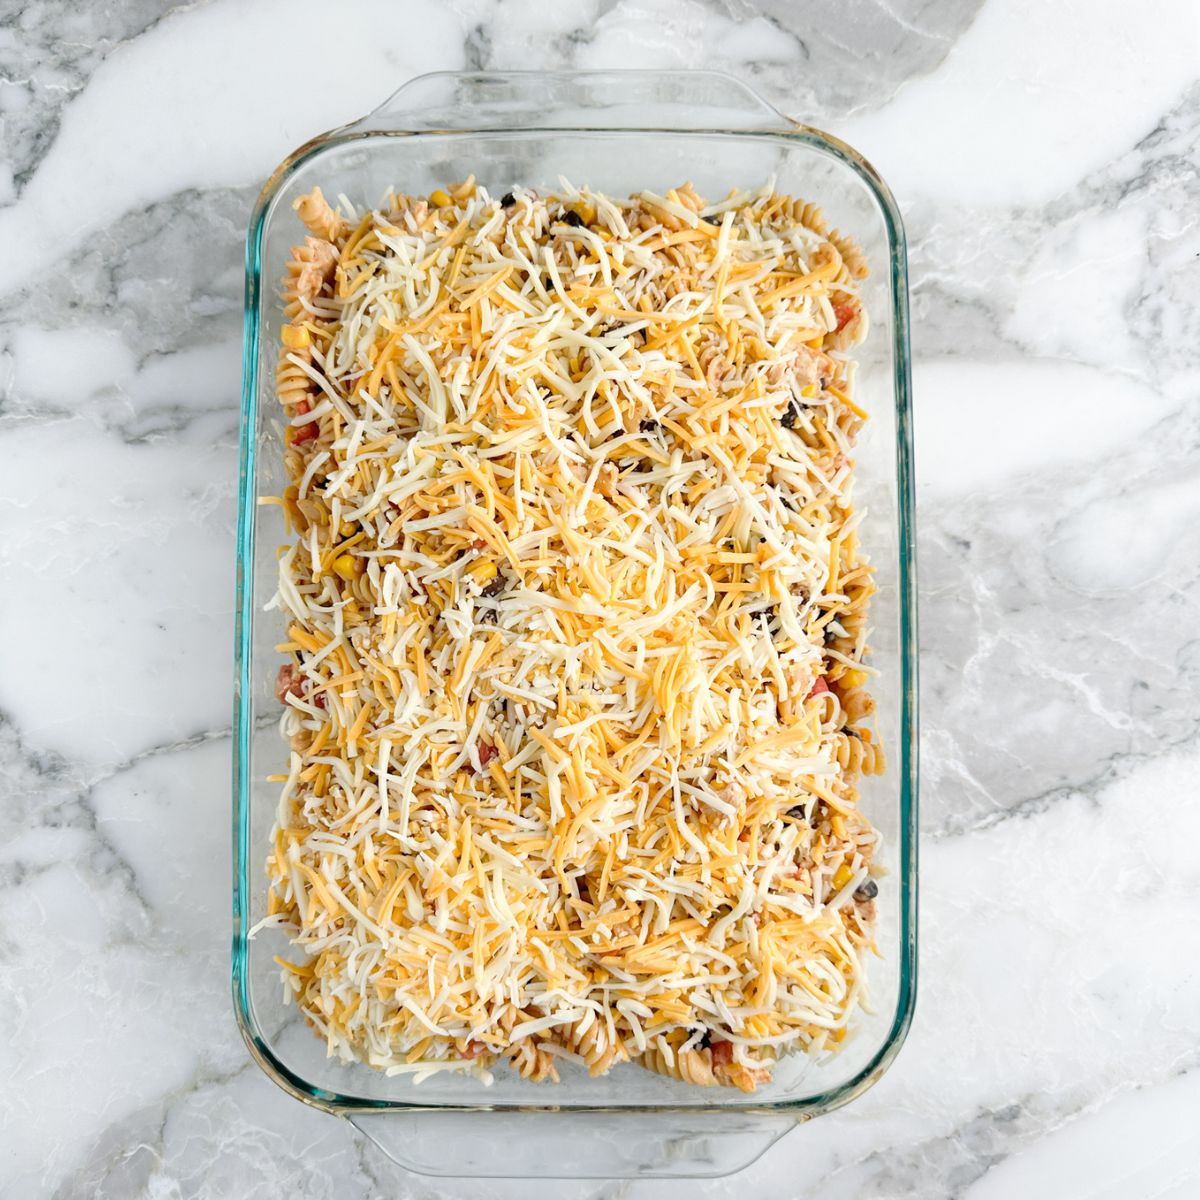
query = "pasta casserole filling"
{"x": 576, "y": 638}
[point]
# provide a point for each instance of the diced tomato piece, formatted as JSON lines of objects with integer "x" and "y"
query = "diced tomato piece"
{"x": 818, "y": 687}
{"x": 844, "y": 313}
{"x": 722, "y": 1054}
{"x": 304, "y": 433}
{"x": 486, "y": 753}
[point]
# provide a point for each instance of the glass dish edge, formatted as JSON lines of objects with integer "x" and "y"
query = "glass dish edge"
{"x": 907, "y": 768}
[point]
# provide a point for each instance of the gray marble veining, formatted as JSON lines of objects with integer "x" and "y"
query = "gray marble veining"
{"x": 1048, "y": 163}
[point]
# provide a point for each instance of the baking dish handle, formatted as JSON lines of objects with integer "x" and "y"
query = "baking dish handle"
{"x": 574, "y": 1145}
{"x": 519, "y": 100}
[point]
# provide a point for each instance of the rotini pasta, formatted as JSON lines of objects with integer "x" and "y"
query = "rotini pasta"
{"x": 856, "y": 754}
{"x": 314, "y": 210}
{"x": 805, "y": 213}
{"x": 576, "y": 621}
{"x": 851, "y": 254}
{"x": 856, "y": 702}
{"x": 532, "y": 1061}
{"x": 593, "y": 1042}
{"x": 688, "y": 1066}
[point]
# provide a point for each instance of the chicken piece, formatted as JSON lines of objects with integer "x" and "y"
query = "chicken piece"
{"x": 715, "y": 366}
{"x": 289, "y": 682}
{"x": 742, "y": 1077}
{"x": 312, "y": 267}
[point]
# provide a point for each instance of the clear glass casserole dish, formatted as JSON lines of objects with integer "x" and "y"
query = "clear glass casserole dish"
{"x": 617, "y": 132}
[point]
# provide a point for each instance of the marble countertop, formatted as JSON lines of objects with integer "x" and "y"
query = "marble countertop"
{"x": 1046, "y": 158}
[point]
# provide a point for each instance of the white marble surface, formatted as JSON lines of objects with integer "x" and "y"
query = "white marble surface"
{"x": 1046, "y": 157}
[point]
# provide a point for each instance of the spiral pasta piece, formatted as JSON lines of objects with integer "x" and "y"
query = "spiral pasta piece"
{"x": 805, "y": 213}
{"x": 592, "y": 1041}
{"x": 857, "y": 754}
{"x": 532, "y": 1062}
{"x": 688, "y": 1066}
{"x": 322, "y": 220}
{"x": 857, "y": 704}
{"x": 851, "y": 254}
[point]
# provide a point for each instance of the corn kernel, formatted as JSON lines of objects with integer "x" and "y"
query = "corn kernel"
{"x": 345, "y": 566}
{"x": 483, "y": 570}
{"x": 854, "y": 678}
{"x": 439, "y": 198}
{"x": 296, "y": 337}
{"x": 587, "y": 212}
{"x": 842, "y": 876}
{"x": 809, "y": 391}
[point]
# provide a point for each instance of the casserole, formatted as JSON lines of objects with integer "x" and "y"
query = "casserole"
{"x": 618, "y": 131}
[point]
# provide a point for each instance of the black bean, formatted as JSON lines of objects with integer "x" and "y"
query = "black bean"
{"x": 650, "y": 427}
{"x": 796, "y": 811}
{"x": 494, "y": 588}
{"x": 706, "y": 1039}
{"x": 572, "y": 218}
{"x": 790, "y": 415}
{"x": 507, "y": 200}
{"x": 866, "y": 891}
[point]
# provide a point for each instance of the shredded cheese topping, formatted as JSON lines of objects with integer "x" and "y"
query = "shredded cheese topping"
{"x": 576, "y": 627}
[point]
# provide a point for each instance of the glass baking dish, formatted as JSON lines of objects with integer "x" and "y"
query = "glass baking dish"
{"x": 615, "y": 131}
